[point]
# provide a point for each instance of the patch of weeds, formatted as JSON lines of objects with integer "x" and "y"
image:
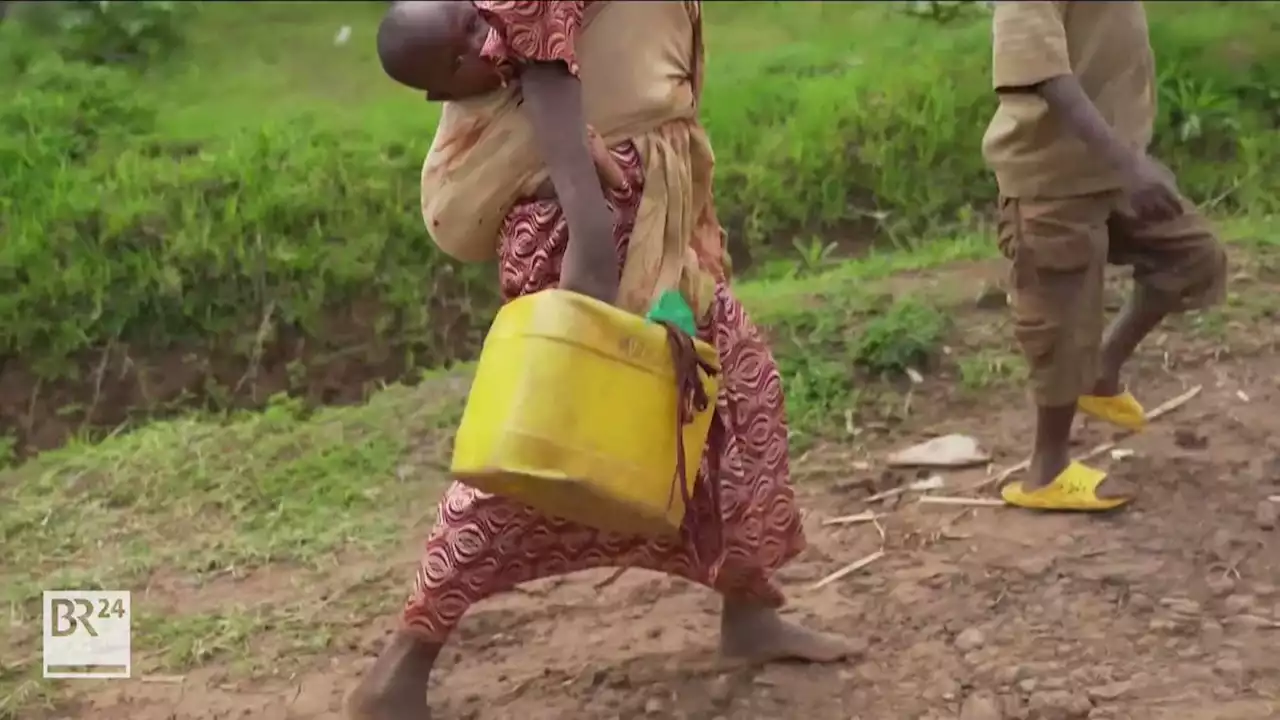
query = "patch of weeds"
{"x": 1253, "y": 304}
{"x": 812, "y": 341}
{"x": 8, "y": 451}
{"x": 988, "y": 368}
{"x": 1212, "y": 324}
{"x": 281, "y": 490}
{"x": 905, "y": 337}
{"x": 822, "y": 344}
{"x": 176, "y": 644}
{"x": 199, "y": 496}
{"x": 834, "y": 337}
{"x": 21, "y": 695}
{"x": 1247, "y": 317}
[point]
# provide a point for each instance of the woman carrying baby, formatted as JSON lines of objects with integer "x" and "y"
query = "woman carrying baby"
{"x": 512, "y": 173}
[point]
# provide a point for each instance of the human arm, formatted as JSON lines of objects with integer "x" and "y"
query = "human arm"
{"x": 537, "y": 41}
{"x": 553, "y": 101}
{"x": 1030, "y": 55}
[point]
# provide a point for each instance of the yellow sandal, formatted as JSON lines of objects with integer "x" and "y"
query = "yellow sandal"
{"x": 1121, "y": 410}
{"x": 1075, "y": 488}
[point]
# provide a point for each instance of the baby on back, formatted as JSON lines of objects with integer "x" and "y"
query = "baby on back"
{"x": 434, "y": 46}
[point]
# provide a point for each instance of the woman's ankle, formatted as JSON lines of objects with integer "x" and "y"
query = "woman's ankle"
{"x": 401, "y": 671}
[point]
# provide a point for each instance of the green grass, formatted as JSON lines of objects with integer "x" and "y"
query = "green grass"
{"x": 247, "y": 187}
{"x": 823, "y": 114}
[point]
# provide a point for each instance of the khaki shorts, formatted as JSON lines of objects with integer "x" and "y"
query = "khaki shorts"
{"x": 1060, "y": 249}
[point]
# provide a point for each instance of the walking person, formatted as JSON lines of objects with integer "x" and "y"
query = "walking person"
{"x": 1079, "y": 191}
{"x": 623, "y": 242}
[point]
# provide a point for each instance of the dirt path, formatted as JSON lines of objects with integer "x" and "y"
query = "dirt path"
{"x": 1168, "y": 610}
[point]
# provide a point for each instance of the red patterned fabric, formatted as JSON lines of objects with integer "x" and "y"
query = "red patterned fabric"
{"x": 483, "y": 544}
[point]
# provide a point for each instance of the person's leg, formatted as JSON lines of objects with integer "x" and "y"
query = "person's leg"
{"x": 734, "y": 540}
{"x": 395, "y": 688}
{"x": 1178, "y": 265}
{"x": 1058, "y": 250}
{"x": 759, "y": 522}
{"x": 483, "y": 545}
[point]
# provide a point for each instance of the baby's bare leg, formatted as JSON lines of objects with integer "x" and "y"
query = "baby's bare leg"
{"x": 607, "y": 168}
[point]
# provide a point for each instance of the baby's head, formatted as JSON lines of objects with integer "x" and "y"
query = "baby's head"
{"x": 434, "y": 46}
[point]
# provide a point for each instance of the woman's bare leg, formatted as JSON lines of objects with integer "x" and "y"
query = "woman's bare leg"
{"x": 395, "y": 688}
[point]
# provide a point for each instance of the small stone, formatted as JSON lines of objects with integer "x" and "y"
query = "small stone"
{"x": 944, "y": 688}
{"x": 1109, "y": 692}
{"x": 1231, "y": 667}
{"x": 1028, "y": 685}
{"x": 1211, "y": 635}
{"x": 1010, "y": 674}
{"x": 1060, "y": 705}
{"x": 1267, "y": 515}
{"x": 1034, "y": 566}
{"x": 1221, "y": 585}
{"x": 720, "y": 690}
{"x": 992, "y": 298}
{"x": 1253, "y": 622}
{"x": 980, "y": 706}
{"x": 653, "y": 706}
{"x": 970, "y": 639}
{"x": 1237, "y": 604}
{"x": 1189, "y": 439}
{"x": 1181, "y": 606}
{"x": 1140, "y": 603}
{"x": 1222, "y": 538}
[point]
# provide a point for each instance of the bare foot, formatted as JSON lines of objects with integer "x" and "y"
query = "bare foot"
{"x": 759, "y": 635}
{"x": 361, "y": 704}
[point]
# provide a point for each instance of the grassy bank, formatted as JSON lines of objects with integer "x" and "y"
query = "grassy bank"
{"x": 238, "y": 217}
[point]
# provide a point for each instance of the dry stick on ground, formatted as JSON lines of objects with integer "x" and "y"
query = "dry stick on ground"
{"x": 972, "y": 502}
{"x": 892, "y": 492}
{"x": 856, "y": 565}
{"x": 920, "y": 485}
{"x": 1274, "y": 498}
{"x": 1256, "y": 622}
{"x": 855, "y": 519}
{"x": 164, "y": 679}
{"x": 849, "y": 569}
{"x": 863, "y": 517}
{"x": 1164, "y": 409}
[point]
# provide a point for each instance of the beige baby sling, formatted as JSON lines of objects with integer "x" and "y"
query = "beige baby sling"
{"x": 641, "y": 72}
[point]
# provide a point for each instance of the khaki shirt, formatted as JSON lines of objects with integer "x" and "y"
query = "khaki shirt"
{"x": 1107, "y": 47}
